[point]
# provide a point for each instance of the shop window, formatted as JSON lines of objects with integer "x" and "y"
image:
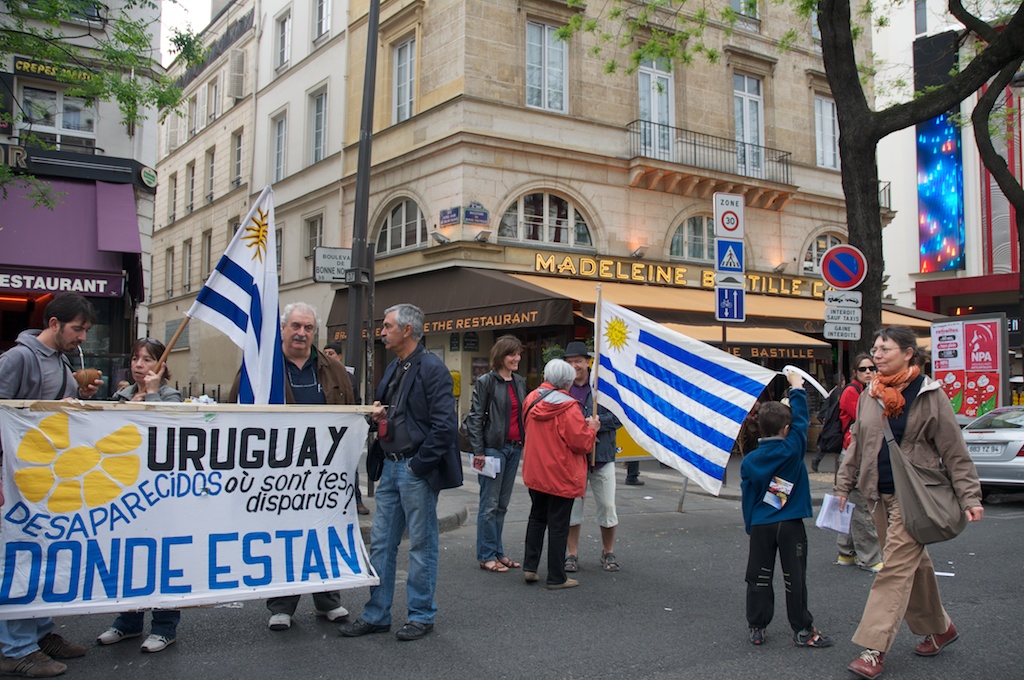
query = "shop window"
{"x": 812, "y": 258}
{"x": 695, "y": 239}
{"x": 51, "y": 119}
{"x": 545, "y": 218}
{"x": 403, "y": 229}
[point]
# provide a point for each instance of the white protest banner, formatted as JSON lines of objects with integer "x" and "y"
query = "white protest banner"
{"x": 112, "y": 509}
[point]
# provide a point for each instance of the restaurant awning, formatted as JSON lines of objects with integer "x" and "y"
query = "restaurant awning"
{"x": 692, "y": 306}
{"x": 460, "y": 299}
{"x": 758, "y": 342}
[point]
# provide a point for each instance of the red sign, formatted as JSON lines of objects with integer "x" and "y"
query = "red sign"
{"x": 982, "y": 341}
{"x": 843, "y": 267}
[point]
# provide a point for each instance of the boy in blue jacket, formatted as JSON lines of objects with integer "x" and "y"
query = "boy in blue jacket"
{"x": 776, "y": 498}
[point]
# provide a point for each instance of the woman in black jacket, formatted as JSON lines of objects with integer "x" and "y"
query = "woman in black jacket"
{"x": 495, "y": 426}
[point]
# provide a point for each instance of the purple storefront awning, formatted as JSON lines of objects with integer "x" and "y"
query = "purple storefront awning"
{"x": 89, "y": 232}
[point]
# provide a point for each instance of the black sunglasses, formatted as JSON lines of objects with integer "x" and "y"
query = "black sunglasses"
{"x": 864, "y": 369}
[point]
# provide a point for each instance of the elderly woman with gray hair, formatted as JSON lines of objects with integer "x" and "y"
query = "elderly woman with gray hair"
{"x": 558, "y": 441}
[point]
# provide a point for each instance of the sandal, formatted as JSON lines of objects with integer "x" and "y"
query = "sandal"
{"x": 608, "y": 562}
{"x": 494, "y": 566}
{"x": 572, "y": 565}
{"x": 508, "y": 562}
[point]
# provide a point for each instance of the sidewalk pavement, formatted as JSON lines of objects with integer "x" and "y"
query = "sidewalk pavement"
{"x": 455, "y": 505}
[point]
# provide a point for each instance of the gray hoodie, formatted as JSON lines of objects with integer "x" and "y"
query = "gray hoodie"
{"x": 31, "y": 370}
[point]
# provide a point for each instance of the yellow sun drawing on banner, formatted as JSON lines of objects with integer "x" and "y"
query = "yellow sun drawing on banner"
{"x": 69, "y": 477}
{"x": 257, "y": 232}
{"x": 616, "y": 333}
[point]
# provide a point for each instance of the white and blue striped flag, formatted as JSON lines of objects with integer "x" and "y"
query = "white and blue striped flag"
{"x": 240, "y": 300}
{"x": 681, "y": 400}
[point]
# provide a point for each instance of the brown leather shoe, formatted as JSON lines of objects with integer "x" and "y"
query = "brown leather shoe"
{"x": 933, "y": 644}
{"x": 869, "y": 664}
{"x": 56, "y": 647}
{"x": 34, "y": 665}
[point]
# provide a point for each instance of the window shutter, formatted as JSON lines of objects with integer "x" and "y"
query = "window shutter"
{"x": 236, "y": 77}
{"x": 172, "y": 132}
{"x": 201, "y": 109}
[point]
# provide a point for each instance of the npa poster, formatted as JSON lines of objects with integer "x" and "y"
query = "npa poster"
{"x": 967, "y": 358}
{"x": 115, "y": 509}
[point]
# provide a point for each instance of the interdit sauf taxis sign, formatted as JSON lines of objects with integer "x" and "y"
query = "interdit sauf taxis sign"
{"x": 117, "y": 509}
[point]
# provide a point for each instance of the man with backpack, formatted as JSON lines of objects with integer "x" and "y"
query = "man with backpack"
{"x": 831, "y": 438}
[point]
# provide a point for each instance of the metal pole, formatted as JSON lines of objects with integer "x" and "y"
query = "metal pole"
{"x": 358, "y": 282}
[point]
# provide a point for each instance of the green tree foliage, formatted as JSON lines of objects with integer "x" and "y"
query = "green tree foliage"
{"x": 674, "y": 31}
{"x": 113, "y": 45}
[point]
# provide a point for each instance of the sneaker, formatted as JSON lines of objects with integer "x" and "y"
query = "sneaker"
{"x": 414, "y": 630}
{"x": 869, "y": 664}
{"x": 811, "y": 637}
{"x": 156, "y": 643}
{"x": 874, "y": 568}
{"x": 844, "y": 561}
{"x": 57, "y": 647}
{"x": 113, "y": 635}
{"x": 757, "y": 636}
{"x": 280, "y": 622}
{"x": 333, "y": 614}
{"x": 34, "y": 665}
{"x": 567, "y": 583}
{"x": 933, "y": 644}
{"x": 358, "y": 628}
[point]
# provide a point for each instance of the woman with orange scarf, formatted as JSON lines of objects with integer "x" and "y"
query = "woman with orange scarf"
{"x": 923, "y": 424}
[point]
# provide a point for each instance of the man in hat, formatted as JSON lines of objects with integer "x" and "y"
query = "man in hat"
{"x": 601, "y": 477}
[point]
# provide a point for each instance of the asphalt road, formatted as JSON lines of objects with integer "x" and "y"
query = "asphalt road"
{"x": 675, "y": 610}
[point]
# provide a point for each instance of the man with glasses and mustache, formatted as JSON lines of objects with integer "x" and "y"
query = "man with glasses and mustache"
{"x": 36, "y": 368}
{"x": 312, "y": 378}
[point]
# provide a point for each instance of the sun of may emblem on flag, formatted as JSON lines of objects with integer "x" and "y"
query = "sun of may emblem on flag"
{"x": 616, "y": 333}
{"x": 256, "y": 234}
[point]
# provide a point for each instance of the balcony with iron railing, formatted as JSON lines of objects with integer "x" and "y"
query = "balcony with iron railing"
{"x": 762, "y": 174}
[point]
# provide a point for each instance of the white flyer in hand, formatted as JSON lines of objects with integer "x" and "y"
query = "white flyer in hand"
{"x": 491, "y": 466}
{"x": 831, "y": 517}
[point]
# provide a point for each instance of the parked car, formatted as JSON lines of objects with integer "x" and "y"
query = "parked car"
{"x": 996, "y": 444}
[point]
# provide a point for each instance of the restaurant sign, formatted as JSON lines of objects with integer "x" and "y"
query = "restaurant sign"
{"x": 95, "y": 284}
{"x": 671, "y": 275}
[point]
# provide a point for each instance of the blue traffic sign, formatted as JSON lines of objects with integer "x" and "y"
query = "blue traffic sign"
{"x": 730, "y": 304}
{"x": 728, "y": 255}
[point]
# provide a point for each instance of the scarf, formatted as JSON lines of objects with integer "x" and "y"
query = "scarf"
{"x": 889, "y": 388}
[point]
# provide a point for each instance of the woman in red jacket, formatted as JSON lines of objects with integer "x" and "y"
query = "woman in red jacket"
{"x": 558, "y": 441}
{"x": 860, "y": 546}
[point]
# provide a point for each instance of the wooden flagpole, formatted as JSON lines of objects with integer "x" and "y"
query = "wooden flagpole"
{"x": 174, "y": 339}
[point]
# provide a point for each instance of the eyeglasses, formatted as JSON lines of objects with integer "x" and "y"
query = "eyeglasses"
{"x": 865, "y": 369}
{"x": 884, "y": 350}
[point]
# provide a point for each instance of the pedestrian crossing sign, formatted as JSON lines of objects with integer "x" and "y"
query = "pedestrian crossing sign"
{"x": 728, "y": 255}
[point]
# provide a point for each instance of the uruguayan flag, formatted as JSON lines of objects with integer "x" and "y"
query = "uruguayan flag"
{"x": 681, "y": 400}
{"x": 240, "y": 300}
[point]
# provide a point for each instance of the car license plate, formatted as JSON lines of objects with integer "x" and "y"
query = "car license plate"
{"x": 985, "y": 449}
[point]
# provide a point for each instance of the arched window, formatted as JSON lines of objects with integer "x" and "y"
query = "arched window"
{"x": 812, "y": 258}
{"x": 695, "y": 239}
{"x": 404, "y": 228}
{"x": 545, "y": 218}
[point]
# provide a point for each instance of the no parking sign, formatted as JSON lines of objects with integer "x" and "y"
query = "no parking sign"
{"x": 843, "y": 267}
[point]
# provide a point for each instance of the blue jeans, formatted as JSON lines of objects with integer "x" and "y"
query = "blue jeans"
{"x": 494, "y": 497}
{"x": 165, "y": 622}
{"x": 403, "y": 501}
{"x": 19, "y": 637}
